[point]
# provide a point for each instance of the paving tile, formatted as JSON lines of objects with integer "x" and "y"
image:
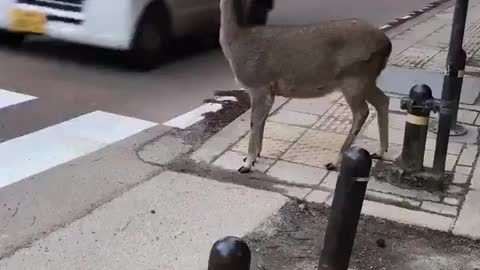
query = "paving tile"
{"x": 414, "y": 56}
{"x": 233, "y": 160}
{"x": 294, "y": 118}
{"x": 395, "y": 105}
{"x": 283, "y": 132}
{"x": 467, "y": 158}
{"x": 339, "y": 118}
{"x": 270, "y": 148}
{"x": 297, "y": 173}
{"x": 372, "y": 132}
{"x": 465, "y": 116}
{"x": 318, "y": 196}
{"x": 407, "y": 216}
{"x": 475, "y": 180}
{"x": 468, "y": 221}
{"x": 452, "y": 201}
{"x": 455, "y": 189}
{"x": 437, "y": 63}
{"x": 323, "y": 139}
{"x": 310, "y": 155}
{"x": 470, "y": 138}
{"x": 397, "y": 121}
{"x": 330, "y": 181}
{"x": 390, "y": 197}
{"x": 400, "y": 45}
{"x": 317, "y": 106}
{"x": 394, "y": 150}
{"x": 460, "y": 179}
{"x": 463, "y": 169}
{"x": 296, "y": 192}
{"x": 477, "y": 122}
{"x": 440, "y": 208}
{"x": 454, "y": 148}
{"x": 470, "y": 107}
{"x": 449, "y": 164}
{"x": 385, "y": 187}
{"x": 438, "y": 41}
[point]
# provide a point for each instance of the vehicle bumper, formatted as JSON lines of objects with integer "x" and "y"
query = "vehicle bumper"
{"x": 103, "y": 28}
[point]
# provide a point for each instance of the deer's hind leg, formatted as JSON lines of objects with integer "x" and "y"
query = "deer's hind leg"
{"x": 380, "y": 101}
{"x": 262, "y": 102}
{"x": 358, "y": 105}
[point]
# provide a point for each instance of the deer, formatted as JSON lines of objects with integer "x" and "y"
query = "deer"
{"x": 306, "y": 61}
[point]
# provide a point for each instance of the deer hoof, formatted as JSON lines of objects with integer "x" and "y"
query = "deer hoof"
{"x": 331, "y": 167}
{"x": 244, "y": 169}
{"x": 376, "y": 156}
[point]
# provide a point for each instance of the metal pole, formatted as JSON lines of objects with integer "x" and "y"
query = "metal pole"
{"x": 455, "y": 127}
{"x": 416, "y": 128}
{"x": 453, "y": 71}
{"x": 229, "y": 253}
{"x": 345, "y": 212}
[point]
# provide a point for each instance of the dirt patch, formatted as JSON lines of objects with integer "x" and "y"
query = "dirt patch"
{"x": 292, "y": 240}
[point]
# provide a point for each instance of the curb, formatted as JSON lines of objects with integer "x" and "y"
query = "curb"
{"x": 412, "y": 15}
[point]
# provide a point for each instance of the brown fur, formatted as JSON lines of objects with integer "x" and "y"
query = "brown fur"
{"x": 307, "y": 62}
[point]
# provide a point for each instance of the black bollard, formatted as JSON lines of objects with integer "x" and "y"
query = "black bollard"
{"x": 450, "y": 82}
{"x": 229, "y": 253}
{"x": 416, "y": 128}
{"x": 345, "y": 211}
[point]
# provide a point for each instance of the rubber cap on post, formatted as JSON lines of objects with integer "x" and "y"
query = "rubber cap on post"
{"x": 420, "y": 93}
{"x": 357, "y": 162}
{"x": 229, "y": 253}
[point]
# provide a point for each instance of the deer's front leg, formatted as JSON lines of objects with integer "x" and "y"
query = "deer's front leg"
{"x": 262, "y": 102}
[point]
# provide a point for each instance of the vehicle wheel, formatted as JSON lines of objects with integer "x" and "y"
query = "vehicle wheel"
{"x": 152, "y": 39}
{"x": 11, "y": 39}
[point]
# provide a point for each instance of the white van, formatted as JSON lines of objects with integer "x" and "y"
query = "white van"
{"x": 141, "y": 28}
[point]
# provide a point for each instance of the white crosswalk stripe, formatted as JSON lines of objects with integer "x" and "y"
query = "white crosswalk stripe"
{"x": 9, "y": 98}
{"x": 194, "y": 116}
{"x": 52, "y": 146}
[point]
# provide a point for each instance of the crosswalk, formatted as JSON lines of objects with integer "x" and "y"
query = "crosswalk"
{"x": 54, "y": 145}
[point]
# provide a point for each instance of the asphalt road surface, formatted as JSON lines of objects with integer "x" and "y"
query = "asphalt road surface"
{"x": 63, "y": 107}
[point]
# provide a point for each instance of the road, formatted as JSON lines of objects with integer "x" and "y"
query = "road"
{"x": 71, "y": 121}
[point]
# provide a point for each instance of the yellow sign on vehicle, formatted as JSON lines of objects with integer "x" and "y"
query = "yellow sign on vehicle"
{"x": 27, "y": 21}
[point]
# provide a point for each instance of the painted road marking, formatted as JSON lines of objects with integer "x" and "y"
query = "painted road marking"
{"x": 194, "y": 116}
{"x": 9, "y": 98}
{"x": 39, "y": 151}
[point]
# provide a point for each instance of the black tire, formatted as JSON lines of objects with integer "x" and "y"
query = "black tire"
{"x": 11, "y": 39}
{"x": 151, "y": 42}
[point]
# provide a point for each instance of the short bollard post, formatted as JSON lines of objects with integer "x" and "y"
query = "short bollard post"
{"x": 346, "y": 208}
{"x": 416, "y": 128}
{"x": 229, "y": 253}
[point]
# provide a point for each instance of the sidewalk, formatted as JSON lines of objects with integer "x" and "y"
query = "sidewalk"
{"x": 167, "y": 223}
{"x": 303, "y": 135}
